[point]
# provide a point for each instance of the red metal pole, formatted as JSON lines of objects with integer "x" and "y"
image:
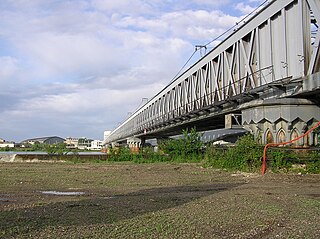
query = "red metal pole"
{"x": 264, "y": 161}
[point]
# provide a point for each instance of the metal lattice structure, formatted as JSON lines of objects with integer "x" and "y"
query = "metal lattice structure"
{"x": 280, "y": 42}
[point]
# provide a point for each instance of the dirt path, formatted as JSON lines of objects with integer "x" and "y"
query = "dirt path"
{"x": 154, "y": 201}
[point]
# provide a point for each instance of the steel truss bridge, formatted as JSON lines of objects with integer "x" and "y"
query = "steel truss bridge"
{"x": 273, "y": 60}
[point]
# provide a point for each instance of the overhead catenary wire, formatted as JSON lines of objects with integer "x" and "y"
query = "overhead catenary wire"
{"x": 194, "y": 52}
{"x": 236, "y": 24}
{"x": 198, "y": 47}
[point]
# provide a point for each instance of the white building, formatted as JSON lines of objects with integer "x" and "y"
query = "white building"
{"x": 4, "y": 144}
{"x": 106, "y": 134}
{"x": 71, "y": 142}
{"x": 83, "y": 143}
{"x": 96, "y": 145}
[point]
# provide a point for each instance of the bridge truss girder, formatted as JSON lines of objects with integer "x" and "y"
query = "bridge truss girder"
{"x": 280, "y": 42}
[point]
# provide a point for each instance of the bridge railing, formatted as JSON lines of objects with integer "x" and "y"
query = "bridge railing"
{"x": 202, "y": 104}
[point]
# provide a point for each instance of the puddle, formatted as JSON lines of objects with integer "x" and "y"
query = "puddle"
{"x": 4, "y": 200}
{"x": 62, "y": 193}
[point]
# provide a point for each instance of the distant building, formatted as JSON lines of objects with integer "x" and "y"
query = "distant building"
{"x": 44, "y": 140}
{"x": 106, "y": 134}
{"x": 72, "y": 142}
{"x": 96, "y": 145}
{"x": 4, "y": 144}
{"x": 84, "y": 143}
{"x": 7, "y": 144}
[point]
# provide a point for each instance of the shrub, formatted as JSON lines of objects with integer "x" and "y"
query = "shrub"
{"x": 245, "y": 155}
{"x": 7, "y": 148}
{"x": 215, "y": 156}
{"x": 55, "y": 149}
{"x": 147, "y": 155}
{"x": 313, "y": 166}
{"x": 187, "y": 149}
{"x": 281, "y": 160}
{"x": 120, "y": 154}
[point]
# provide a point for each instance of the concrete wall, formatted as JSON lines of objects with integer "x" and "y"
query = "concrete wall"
{"x": 280, "y": 120}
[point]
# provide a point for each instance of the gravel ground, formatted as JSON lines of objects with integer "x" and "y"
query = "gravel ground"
{"x": 124, "y": 200}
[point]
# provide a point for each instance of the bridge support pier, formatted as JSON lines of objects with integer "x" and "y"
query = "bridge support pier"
{"x": 134, "y": 144}
{"x": 280, "y": 120}
{"x": 114, "y": 145}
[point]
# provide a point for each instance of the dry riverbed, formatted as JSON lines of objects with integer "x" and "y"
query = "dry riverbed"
{"x": 124, "y": 200}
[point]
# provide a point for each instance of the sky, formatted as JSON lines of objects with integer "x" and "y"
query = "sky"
{"x": 75, "y": 68}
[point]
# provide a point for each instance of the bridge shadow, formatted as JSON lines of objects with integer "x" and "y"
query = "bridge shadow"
{"x": 104, "y": 210}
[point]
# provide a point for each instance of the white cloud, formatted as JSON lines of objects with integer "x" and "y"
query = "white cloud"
{"x": 85, "y": 112}
{"x": 124, "y": 6}
{"x": 192, "y": 25}
{"x": 213, "y": 3}
{"x": 67, "y": 54}
{"x": 82, "y": 65}
{"x": 250, "y": 7}
{"x": 244, "y": 8}
{"x": 9, "y": 67}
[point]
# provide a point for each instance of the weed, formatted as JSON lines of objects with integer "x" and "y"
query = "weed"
{"x": 245, "y": 155}
{"x": 186, "y": 149}
{"x": 313, "y": 165}
{"x": 280, "y": 159}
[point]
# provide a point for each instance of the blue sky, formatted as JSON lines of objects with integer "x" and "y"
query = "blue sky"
{"x": 76, "y": 68}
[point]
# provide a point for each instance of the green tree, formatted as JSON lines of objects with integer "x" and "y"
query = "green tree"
{"x": 56, "y": 149}
{"x": 37, "y": 146}
{"x": 187, "y": 148}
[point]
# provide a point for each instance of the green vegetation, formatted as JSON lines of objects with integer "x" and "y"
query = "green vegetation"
{"x": 282, "y": 160}
{"x": 245, "y": 155}
{"x": 186, "y": 149}
{"x": 5, "y": 149}
{"x": 56, "y": 149}
{"x": 313, "y": 165}
{"x": 146, "y": 155}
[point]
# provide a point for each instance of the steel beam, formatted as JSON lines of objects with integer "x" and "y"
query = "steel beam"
{"x": 280, "y": 42}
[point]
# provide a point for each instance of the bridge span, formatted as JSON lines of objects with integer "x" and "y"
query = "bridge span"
{"x": 267, "y": 72}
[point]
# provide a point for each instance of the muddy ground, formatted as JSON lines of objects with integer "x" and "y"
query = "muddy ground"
{"x": 124, "y": 200}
